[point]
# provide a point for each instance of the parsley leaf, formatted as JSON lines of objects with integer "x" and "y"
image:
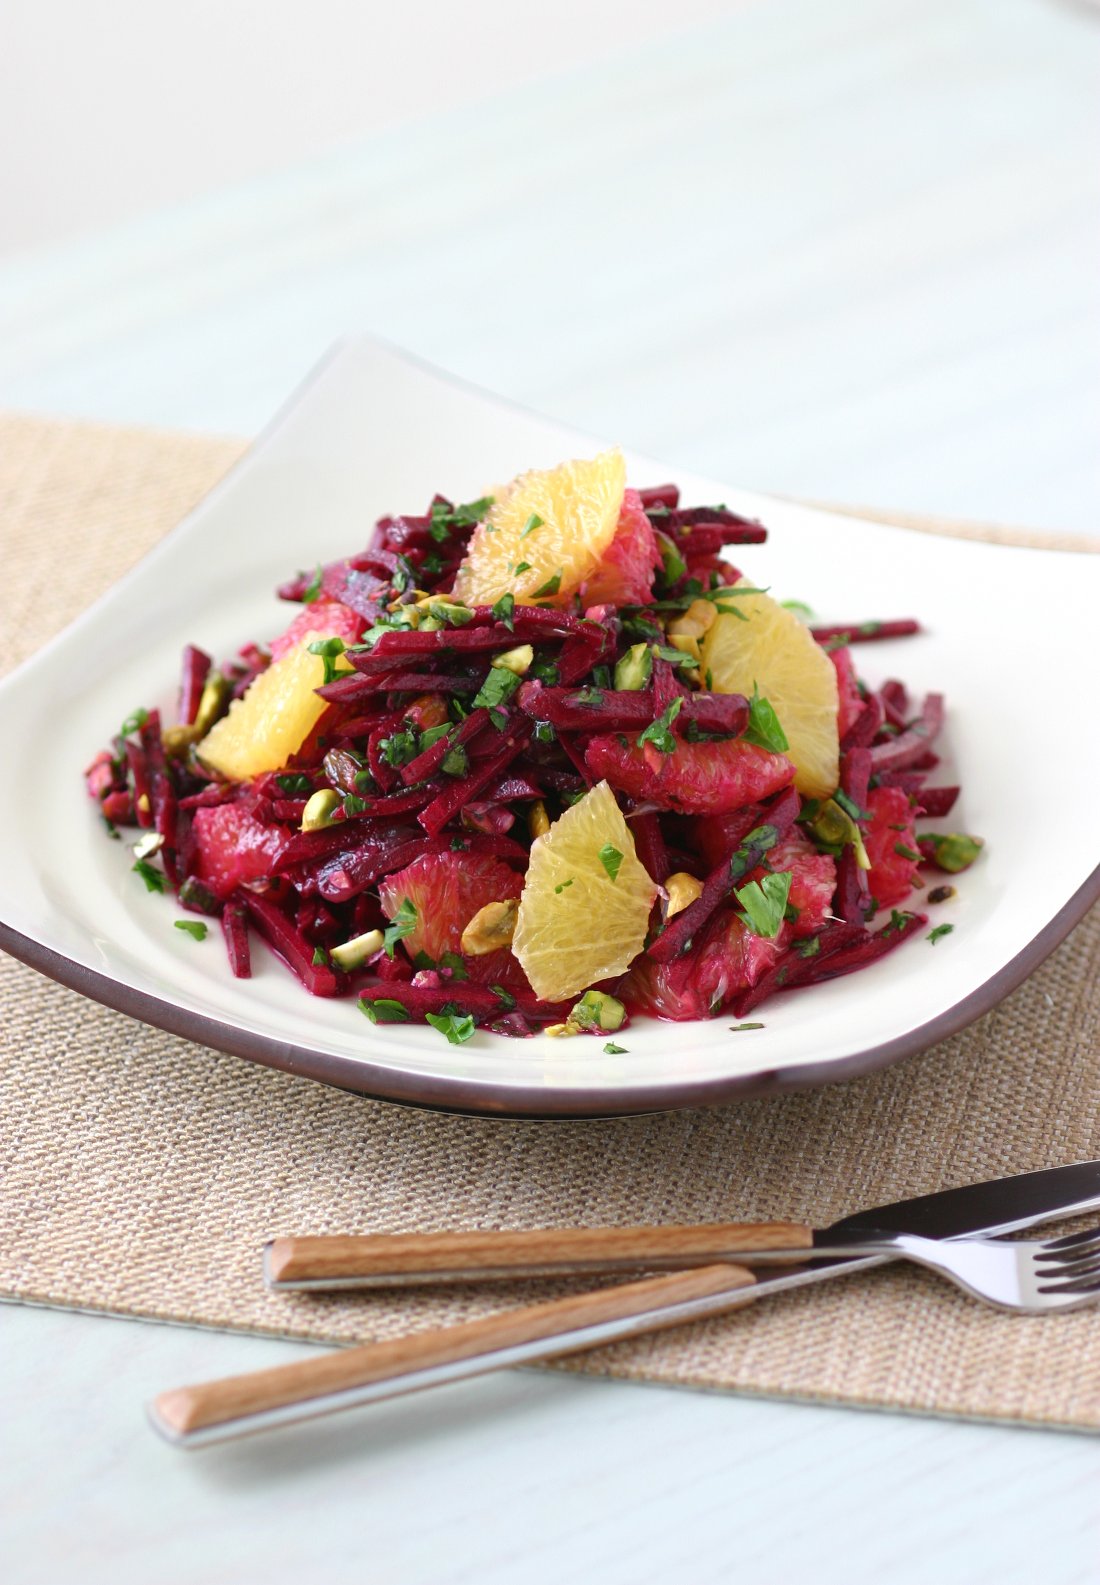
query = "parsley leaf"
{"x": 194, "y": 928}
{"x": 313, "y": 588}
{"x": 504, "y": 611}
{"x": 295, "y": 786}
{"x": 319, "y": 958}
{"x": 940, "y": 930}
{"x": 458, "y": 1027}
{"x": 328, "y": 649}
{"x": 551, "y": 586}
{"x": 533, "y": 522}
{"x": 906, "y": 853}
{"x": 507, "y": 1000}
{"x": 764, "y": 727}
{"x": 497, "y": 689}
{"x": 735, "y": 1029}
{"x": 133, "y": 723}
{"x": 658, "y": 733}
{"x": 852, "y": 809}
{"x": 613, "y": 1050}
{"x": 400, "y": 747}
{"x": 456, "y": 762}
{"x": 611, "y": 859}
{"x": 154, "y": 880}
{"x": 383, "y": 1010}
{"x": 765, "y": 903}
{"x": 559, "y": 889}
{"x": 522, "y": 566}
{"x": 799, "y": 607}
{"x": 404, "y": 922}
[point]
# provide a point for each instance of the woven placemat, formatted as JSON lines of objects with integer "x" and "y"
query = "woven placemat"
{"x": 140, "y": 1174}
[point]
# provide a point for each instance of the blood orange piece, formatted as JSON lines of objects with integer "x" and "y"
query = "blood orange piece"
{"x": 234, "y": 847}
{"x": 698, "y": 778}
{"x": 892, "y": 875}
{"x": 447, "y": 890}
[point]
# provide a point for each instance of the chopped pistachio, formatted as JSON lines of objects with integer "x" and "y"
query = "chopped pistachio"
{"x": 150, "y": 843}
{"x": 693, "y": 622}
{"x": 491, "y": 927}
{"x": 687, "y": 644}
{"x": 682, "y": 890}
{"x": 953, "y": 852}
{"x": 598, "y": 1010}
{"x": 320, "y": 810}
{"x": 633, "y": 670}
{"x": 834, "y": 826}
{"x": 213, "y": 703}
{"x": 516, "y": 660}
{"x": 538, "y": 821}
{"x": 354, "y": 953}
{"x": 430, "y": 624}
{"x": 561, "y": 1031}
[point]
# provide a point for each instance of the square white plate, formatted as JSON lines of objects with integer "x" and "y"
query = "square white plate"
{"x": 1008, "y": 639}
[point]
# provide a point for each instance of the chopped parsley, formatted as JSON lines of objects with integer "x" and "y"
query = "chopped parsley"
{"x": 940, "y": 930}
{"x": 533, "y": 522}
{"x": 809, "y": 948}
{"x": 295, "y": 786}
{"x": 457, "y": 966}
{"x": 550, "y": 587}
{"x": 611, "y": 859}
{"x": 133, "y": 723}
{"x": 328, "y": 649}
{"x": 764, "y": 728}
{"x": 735, "y": 1029}
{"x": 404, "y": 922}
{"x": 497, "y": 689}
{"x": 458, "y": 1027}
{"x": 588, "y": 697}
{"x": 559, "y": 889}
{"x": 313, "y": 588}
{"x": 456, "y": 761}
{"x": 506, "y": 999}
{"x": 319, "y": 958}
{"x": 765, "y": 903}
{"x": 522, "y": 566}
{"x": 673, "y": 565}
{"x": 659, "y": 732}
{"x": 799, "y": 607}
{"x": 852, "y": 809}
{"x": 544, "y": 732}
{"x": 504, "y": 611}
{"x": 353, "y": 804}
{"x": 383, "y": 1010}
{"x": 613, "y": 1050}
{"x": 906, "y": 853}
{"x": 154, "y": 879}
{"x": 193, "y": 927}
{"x": 400, "y": 747}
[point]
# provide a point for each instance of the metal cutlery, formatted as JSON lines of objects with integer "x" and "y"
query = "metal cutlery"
{"x": 214, "y": 1411}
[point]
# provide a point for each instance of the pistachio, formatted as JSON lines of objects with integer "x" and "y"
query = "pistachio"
{"x": 538, "y": 821}
{"x": 320, "y": 810}
{"x": 596, "y": 1010}
{"x": 687, "y": 644}
{"x": 354, "y": 953}
{"x": 953, "y": 852}
{"x": 834, "y": 827}
{"x": 213, "y": 702}
{"x": 561, "y": 1031}
{"x": 632, "y": 670}
{"x": 150, "y": 843}
{"x": 516, "y": 660}
{"x": 682, "y": 890}
{"x": 491, "y": 927}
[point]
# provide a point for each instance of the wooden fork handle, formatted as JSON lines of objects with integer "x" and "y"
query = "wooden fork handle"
{"x": 237, "y": 1405}
{"x": 404, "y": 1259}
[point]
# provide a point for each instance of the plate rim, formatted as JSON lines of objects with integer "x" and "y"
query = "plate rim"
{"x": 503, "y": 1098}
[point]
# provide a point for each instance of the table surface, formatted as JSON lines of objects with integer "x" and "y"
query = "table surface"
{"x": 844, "y": 251}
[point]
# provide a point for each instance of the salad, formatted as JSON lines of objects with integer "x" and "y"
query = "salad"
{"x": 543, "y": 760}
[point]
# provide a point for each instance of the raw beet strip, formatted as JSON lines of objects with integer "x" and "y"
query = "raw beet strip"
{"x": 594, "y": 647}
{"x": 795, "y": 966}
{"x": 867, "y": 950}
{"x": 287, "y": 941}
{"x": 898, "y": 753}
{"x": 479, "y": 1000}
{"x": 852, "y": 897}
{"x": 862, "y": 731}
{"x": 463, "y": 791}
{"x": 895, "y": 702}
{"x": 937, "y": 801}
{"x": 607, "y": 710}
{"x": 235, "y": 932}
{"x": 194, "y": 667}
{"x": 737, "y": 530}
{"x": 667, "y": 495}
{"x": 866, "y": 632}
{"x": 139, "y": 772}
{"x": 649, "y": 844}
{"x": 773, "y": 827}
{"x": 420, "y": 768}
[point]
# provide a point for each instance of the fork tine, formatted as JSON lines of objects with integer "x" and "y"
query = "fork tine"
{"x": 1070, "y": 1241}
{"x": 1089, "y": 1284}
{"x": 1068, "y": 1257}
{"x": 1076, "y": 1268}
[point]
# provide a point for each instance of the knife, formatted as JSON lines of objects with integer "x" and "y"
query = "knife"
{"x": 346, "y": 1378}
{"x": 400, "y": 1260}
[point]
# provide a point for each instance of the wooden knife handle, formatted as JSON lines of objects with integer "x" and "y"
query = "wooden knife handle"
{"x": 239, "y": 1404}
{"x": 404, "y": 1259}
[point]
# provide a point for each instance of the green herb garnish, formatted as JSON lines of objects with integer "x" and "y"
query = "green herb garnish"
{"x": 736, "y": 1029}
{"x": 940, "y": 930}
{"x": 154, "y": 879}
{"x": 295, "y": 786}
{"x": 658, "y": 732}
{"x": 906, "y": 853}
{"x": 458, "y": 1027}
{"x": 611, "y": 859}
{"x": 765, "y": 903}
{"x": 550, "y": 587}
{"x": 384, "y": 1011}
{"x": 613, "y": 1050}
{"x": 328, "y": 649}
{"x": 313, "y": 588}
{"x": 497, "y": 689}
{"x": 404, "y": 922}
{"x": 504, "y": 611}
{"x": 133, "y": 723}
{"x": 193, "y": 927}
{"x": 456, "y": 762}
{"x": 559, "y": 889}
{"x": 533, "y": 522}
{"x": 764, "y": 728}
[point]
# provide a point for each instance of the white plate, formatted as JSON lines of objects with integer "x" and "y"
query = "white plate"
{"x": 372, "y": 432}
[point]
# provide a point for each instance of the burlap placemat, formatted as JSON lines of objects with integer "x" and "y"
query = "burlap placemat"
{"x": 140, "y": 1174}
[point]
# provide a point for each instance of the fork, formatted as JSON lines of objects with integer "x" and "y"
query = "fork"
{"x": 1032, "y": 1277}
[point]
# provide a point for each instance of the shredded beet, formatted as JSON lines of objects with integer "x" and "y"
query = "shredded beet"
{"x": 865, "y": 632}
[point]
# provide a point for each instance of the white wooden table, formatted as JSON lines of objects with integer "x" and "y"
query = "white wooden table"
{"x": 843, "y": 251}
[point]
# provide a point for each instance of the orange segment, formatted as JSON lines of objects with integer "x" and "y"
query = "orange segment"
{"x": 586, "y": 900}
{"x": 545, "y": 534}
{"x": 273, "y": 719}
{"x": 773, "y": 651}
